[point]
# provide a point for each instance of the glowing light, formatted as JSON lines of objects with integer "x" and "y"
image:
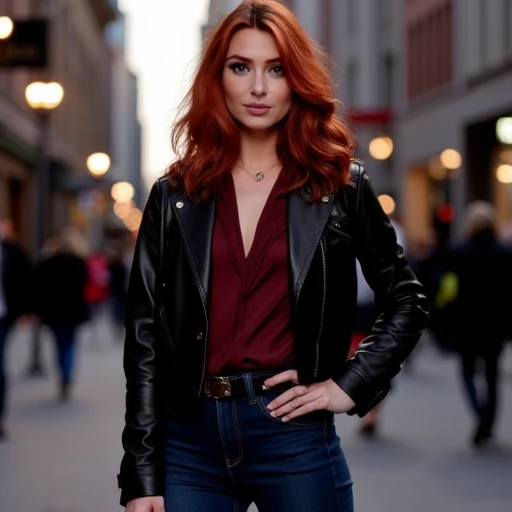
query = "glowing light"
{"x": 445, "y": 213}
{"x": 6, "y": 27}
{"x": 451, "y": 159}
{"x": 122, "y": 191}
{"x": 388, "y": 203}
{"x": 133, "y": 219}
{"x": 504, "y": 130}
{"x": 381, "y": 148}
{"x": 504, "y": 173}
{"x": 436, "y": 169}
{"x": 44, "y": 96}
{"x": 98, "y": 164}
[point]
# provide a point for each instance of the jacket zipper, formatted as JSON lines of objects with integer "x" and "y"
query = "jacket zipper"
{"x": 203, "y": 302}
{"x": 166, "y": 328}
{"x": 322, "y": 311}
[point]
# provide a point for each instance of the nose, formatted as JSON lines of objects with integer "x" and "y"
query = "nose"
{"x": 259, "y": 86}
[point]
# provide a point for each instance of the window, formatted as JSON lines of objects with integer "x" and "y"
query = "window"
{"x": 430, "y": 51}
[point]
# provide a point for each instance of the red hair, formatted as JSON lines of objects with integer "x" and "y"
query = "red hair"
{"x": 314, "y": 146}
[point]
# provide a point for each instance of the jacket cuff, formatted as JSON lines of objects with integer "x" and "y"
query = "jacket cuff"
{"x": 139, "y": 485}
{"x": 365, "y": 395}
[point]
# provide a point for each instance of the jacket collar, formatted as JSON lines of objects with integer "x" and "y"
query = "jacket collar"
{"x": 306, "y": 222}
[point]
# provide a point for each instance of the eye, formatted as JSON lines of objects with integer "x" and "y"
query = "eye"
{"x": 238, "y": 68}
{"x": 277, "y": 70}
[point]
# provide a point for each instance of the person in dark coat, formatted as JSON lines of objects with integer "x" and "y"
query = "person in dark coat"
{"x": 61, "y": 280}
{"x": 118, "y": 284}
{"x": 15, "y": 274}
{"x": 481, "y": 311}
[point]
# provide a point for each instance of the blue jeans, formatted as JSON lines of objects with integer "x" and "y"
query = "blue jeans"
{"x": 4, "y": 332}
{"x": 65, "y": 344}
{"x": 230, "y": 453}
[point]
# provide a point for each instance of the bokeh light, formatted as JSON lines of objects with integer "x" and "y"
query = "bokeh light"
{"x": 381, "y": 148}
{"x": 388, "y": 203}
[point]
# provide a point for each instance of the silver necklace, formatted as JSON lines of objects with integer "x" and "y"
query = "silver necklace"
{"x": 260, "y": 175}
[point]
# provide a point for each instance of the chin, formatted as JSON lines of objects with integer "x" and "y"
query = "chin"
{"x": 257, "y": 124}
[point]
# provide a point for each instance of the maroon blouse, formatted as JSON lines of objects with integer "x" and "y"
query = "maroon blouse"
{"x": 250, "y": 318}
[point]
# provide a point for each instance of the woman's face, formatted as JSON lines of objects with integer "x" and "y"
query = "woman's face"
{"x": 255, "y": 87}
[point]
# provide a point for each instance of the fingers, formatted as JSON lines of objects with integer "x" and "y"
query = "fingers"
{"x": 287, "y": 397}
{"x": 286, "y": 376}
{"x": 300, "y": 401}
{"x": 315, "y": 405}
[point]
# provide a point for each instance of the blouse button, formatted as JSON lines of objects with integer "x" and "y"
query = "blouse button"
{"x": 179, "y": 204}
{"x": 325, "y": 199}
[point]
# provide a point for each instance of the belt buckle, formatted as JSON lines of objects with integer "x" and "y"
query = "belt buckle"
{"x": 221, "y": 387}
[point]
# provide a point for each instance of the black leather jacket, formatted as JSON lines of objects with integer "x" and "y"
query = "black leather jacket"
{"x": 167, "y": 305}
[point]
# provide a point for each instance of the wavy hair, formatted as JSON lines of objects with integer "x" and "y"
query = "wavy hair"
{"x": 313, "y": 145}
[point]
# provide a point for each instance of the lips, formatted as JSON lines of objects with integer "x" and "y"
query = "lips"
{"x": 257, "y": 109}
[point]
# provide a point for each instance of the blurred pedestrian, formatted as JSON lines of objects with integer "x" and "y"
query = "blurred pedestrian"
{"x": 481, "y": 312}
{"x": 430, "y": 263}
{"x": 118, "y": 281}
{"x": 61, "y": 281}
{"x": 35, "y": 368}
{"x": 15, "y": 298}
{"x": 97, "y": 292}
{"x": 243, "y": 288}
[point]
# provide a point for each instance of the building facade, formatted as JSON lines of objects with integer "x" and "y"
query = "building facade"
{"x": 80, "y": 61}
{"x": 363, "y": 41}
{"x": 125, "y": 133}
{"x": 457, "y": 85}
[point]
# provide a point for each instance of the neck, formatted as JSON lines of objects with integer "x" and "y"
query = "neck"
{"x": 258, "y": 150}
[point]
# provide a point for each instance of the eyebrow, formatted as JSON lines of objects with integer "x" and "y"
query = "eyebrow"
{"x": 245, "y": 59}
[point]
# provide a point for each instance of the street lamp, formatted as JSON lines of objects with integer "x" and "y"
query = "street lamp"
{"x": 98, "y": 164}
{"x": 122, "y": 191}
{"x": 381, "y": 148}
{"x": 6, "y": 27}
{"x": 42, "y": 98}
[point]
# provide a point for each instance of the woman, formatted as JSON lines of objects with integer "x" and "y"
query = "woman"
{"x": 61, "y": 281}
{"x": 243, "y": 288}
{"x": 483, "y": 269}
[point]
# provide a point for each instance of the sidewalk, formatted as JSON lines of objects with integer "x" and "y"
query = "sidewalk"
{"x": 65, "y": 457}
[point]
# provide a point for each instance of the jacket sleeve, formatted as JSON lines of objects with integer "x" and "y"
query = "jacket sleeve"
{"x": 141, "y": 471}
{"x": 398, "y": 295}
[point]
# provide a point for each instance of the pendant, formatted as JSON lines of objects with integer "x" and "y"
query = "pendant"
{"x": 259, "y": 176}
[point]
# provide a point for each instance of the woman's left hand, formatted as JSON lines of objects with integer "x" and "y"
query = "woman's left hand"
{"x": 301, "y": 400}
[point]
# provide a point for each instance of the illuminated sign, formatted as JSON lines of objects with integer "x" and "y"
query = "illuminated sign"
{"x": 26, "y": 46}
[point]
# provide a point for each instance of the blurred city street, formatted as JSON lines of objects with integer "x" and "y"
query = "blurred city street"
{"x": 93, "y": 110}
{"x": 64, "y": 457}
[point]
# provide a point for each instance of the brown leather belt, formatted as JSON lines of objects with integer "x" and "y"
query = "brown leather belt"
{"x": 234, "y": 387}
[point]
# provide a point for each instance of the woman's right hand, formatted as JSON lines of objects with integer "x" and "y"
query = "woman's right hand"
{"x": 148, "y": 504}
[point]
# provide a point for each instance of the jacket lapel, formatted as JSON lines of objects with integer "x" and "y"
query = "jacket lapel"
{"x": 306, "y": 223}
{"x": 196, "y": 223}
